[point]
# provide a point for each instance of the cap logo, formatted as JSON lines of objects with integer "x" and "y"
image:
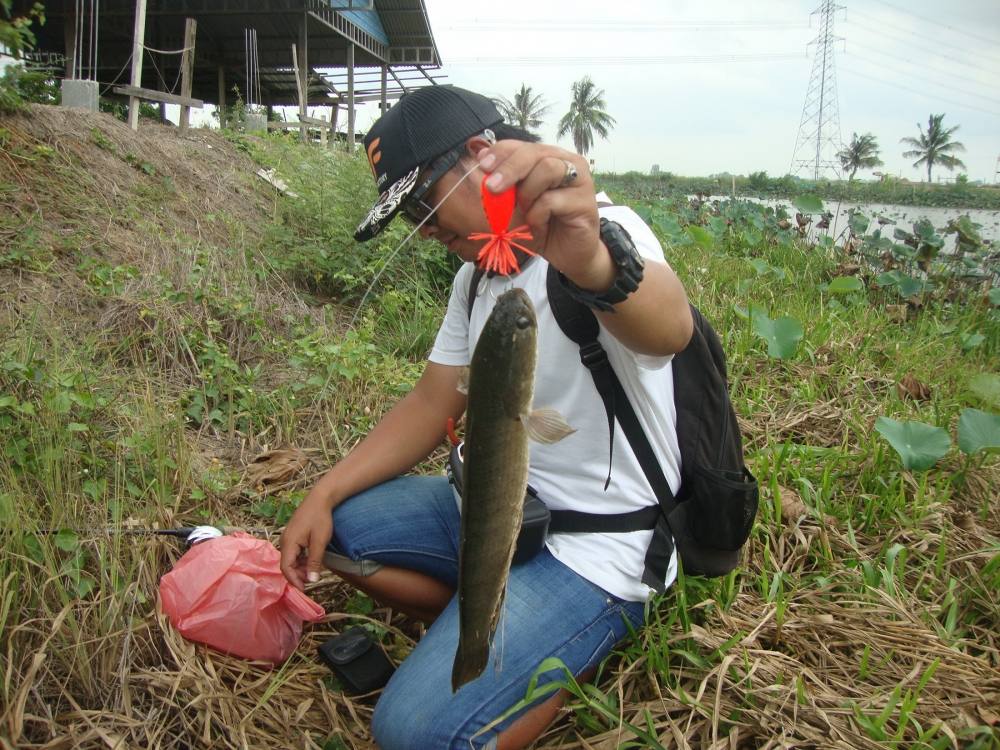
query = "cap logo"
{"x": 374, "y": 157}
{"x": 390, "y": 200}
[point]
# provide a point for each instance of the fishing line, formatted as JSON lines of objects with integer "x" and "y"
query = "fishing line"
{"x": 399, "y": 247}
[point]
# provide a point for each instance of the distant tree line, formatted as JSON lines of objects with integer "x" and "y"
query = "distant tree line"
{"x": 646, "y": 187}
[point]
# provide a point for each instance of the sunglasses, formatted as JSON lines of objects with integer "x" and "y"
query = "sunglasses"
{"x": 414, "y": 209}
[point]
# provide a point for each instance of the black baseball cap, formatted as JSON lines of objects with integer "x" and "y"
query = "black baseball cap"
{"x": 420, "y": 127}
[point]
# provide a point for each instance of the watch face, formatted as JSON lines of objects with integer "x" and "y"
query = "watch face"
{"x": 634, "y": 251}
{"x": 619, "y": 242}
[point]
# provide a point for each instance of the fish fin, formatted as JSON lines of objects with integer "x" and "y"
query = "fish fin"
{"x": 497, "y": 638}
{"x": 468, "y": 665}
{"x": 463, "y": 381}
{"x": 546, "y": 426}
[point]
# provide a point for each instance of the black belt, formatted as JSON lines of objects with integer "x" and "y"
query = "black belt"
{"x": 569, "y": 521}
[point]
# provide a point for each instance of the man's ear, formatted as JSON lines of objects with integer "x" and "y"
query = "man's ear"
{"x": 476, "y": 144}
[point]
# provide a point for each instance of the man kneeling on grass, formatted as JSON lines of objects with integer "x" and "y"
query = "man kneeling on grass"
{"x": 395, "y": 536}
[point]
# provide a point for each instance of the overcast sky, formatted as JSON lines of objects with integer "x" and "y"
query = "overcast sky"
{"x": 899, "y": 61}
{"x": 719, "y": 85}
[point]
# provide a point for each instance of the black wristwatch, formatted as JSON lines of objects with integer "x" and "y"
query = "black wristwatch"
{"x": 629, "y": 265}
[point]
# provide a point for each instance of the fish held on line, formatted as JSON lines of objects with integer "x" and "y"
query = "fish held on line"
{"x": 499, "y": 423}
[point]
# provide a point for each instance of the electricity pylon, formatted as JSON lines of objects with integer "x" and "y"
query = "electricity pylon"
{"x": 818, "y": 140}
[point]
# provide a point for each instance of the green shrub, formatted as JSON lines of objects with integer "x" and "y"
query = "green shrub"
{"x": 20, "y": 86}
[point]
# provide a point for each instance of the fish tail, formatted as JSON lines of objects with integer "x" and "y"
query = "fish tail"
{"x": 469, "y": 664}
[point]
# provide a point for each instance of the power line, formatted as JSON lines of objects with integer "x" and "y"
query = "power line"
{"x": 542, "y": 25}
{"x": 924, "y": 94}
{"x": 897, "y": 34}
{"x": 938, "y": 53}
{"x": 938, "y": 24}
{"x": 923, "y": 76}
{"x": 625, "y": 60}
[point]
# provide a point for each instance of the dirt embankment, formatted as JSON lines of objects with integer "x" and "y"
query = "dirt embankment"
{"x": 79, "y": 188}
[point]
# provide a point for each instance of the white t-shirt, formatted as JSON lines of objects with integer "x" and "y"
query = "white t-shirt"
{"x": 570, "y": 474}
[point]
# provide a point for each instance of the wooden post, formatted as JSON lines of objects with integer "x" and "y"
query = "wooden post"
{"x": 303, "y": 71}
{"x": 222, "y": 95}
{"x": 298, "y": 90}
{"x": 138, "y": 39}
{"x": 158, "y": 96}
{"x": 187, "y": 68}
{"x": 382, "y": 100}
{"x": 350, "y": 97}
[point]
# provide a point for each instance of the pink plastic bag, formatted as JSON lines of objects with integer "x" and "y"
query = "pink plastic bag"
{"x": 230, "y": 594}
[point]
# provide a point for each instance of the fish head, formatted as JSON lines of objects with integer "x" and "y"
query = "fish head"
{"x": 515, "y": 313}
{"x": 502, "y": 370}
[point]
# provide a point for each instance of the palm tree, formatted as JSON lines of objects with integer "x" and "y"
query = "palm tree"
{"x": 525, "y": 110}
{"x": 586, "y": 114}
{"x": 935, "y": 146}
{"x": 862, "y": 152}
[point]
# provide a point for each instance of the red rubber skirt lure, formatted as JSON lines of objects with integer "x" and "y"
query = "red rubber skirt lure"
{"x": 497, "y": 254}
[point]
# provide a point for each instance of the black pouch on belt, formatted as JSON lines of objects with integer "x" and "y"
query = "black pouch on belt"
{"x": 534, "y": 523}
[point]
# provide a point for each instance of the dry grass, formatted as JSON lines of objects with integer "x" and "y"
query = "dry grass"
{"x": 792, "y": 679}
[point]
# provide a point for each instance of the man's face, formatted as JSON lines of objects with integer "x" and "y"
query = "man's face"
{"x": 461, "y": 214}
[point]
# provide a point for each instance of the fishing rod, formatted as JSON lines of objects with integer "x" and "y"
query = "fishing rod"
{"x": 190, "y": 534}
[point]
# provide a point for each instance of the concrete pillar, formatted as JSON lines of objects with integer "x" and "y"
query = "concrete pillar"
{"x": 256, "y": 123}
{"x": 81, "y": 94}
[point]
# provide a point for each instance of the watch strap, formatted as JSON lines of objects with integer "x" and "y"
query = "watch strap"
{"x": 629, "y": 267}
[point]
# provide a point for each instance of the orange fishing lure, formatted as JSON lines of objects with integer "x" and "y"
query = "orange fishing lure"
{"x": 497, "y": 254}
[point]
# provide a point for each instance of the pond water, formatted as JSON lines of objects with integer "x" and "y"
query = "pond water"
{"x": 904, "y": 216}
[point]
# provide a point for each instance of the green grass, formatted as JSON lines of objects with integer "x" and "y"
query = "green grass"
{"x": 139, "y": 378}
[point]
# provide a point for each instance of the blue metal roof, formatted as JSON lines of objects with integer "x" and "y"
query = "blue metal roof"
{"x": 366, "y": 19}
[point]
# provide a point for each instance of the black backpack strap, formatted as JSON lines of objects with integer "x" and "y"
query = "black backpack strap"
{"x": 477, "y": 276}
{"x": 662, "y": 545}
{"x": 580, "y": 325}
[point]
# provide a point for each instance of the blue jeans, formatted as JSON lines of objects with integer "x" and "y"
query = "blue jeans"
{"x": 549, "y": 611}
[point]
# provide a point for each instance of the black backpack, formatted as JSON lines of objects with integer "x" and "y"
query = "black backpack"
{"x": 713, "y": 513}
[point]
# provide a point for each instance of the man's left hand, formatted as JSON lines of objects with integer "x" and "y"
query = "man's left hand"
{"x": 560, "y": 209}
